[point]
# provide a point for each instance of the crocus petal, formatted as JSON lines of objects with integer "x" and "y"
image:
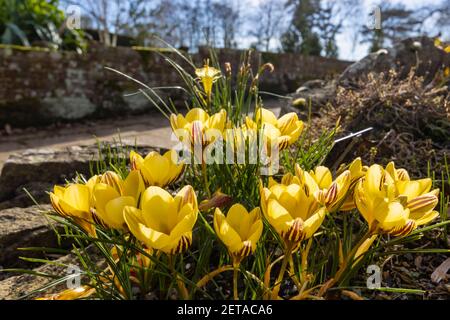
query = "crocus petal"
{"x": 391, "y": 215}
{"x": 421, "y": 205}
{"x": 278, "y": 216}
{"x": 266, "y": 116}
{"x": 428, "y": 217}
{"x": 313, "y": 223}
{"x": 374, "y": 181}
{"x": 414, "y": 188}
{"x": 288, "y": 199}
{"x": 295, "y": 134}
{"x": 114, "y": 211}
{"x": 150, "y": 237}
{"x": 196, "y": 114}
{"x": 226, "y": 233}
{"x": 323, "y": 177}
{"x": 363, "y": 203}
{"x": 136, "y": 160}
{"x": 217, "y": 121}
{"x": 239, "y": 220}
{"x": 133, "y": 185}
{"x": 286, "y": 124}
{"x": 187, "y": 222}
{"x": 158, "y": 167}
{"x": 177, "y": 121}
{"x": 255, "y": 233}
{"x": 113, "y": 180}
{"x": 159, "y": 210}
{"x": 102, "y": 194}
{"x": 78, "y": 196}
{"x": 364, "y": 247}
{"x": 186, "y": 195}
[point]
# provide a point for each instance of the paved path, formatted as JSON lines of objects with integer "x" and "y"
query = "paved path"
{"x": 151, "y": 129}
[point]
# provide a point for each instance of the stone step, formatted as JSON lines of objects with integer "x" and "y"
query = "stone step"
{"x": 21, "y": 228}
{"x": 38, "y": 170}
{"x": 20, "y": 286}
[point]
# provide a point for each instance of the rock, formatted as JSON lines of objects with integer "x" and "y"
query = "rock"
{"x": 319, "y": 92}
{"x": 21, "y": 228}
{"x": 311, "y": 84}
{"x": 8, "y": 129}
{"x": 419, "y": 52}
{"x": 44, "y": 167}
{"x": 37, "y": 190}
{"x": 21, "y": 286}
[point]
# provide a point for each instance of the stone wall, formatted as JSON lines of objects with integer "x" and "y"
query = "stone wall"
{"x": 38, "y": 88}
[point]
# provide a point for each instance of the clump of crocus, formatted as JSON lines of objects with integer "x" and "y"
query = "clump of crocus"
{"x": 165, "y": 223}
{"x": 294, "y": 212}
{"x": 240, "y": 231}
{"x": 157, "y": 170}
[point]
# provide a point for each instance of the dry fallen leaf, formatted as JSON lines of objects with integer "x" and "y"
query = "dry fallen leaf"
{"x": 440, "y": 272}
{"x": 352, "y": 295}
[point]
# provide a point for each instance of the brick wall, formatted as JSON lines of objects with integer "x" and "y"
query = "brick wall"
{"x": 39, "y": 87}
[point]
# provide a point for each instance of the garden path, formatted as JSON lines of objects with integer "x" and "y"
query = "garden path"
{"x": 148, "y": 129}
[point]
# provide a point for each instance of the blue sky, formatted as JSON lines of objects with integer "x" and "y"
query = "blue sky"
{"x": 348, "y": 48}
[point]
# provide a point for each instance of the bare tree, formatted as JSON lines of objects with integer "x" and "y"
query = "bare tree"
{"x": 398, "y": 22}
{"x": 110, "y": 17}
{"x": 266, "y": 22}
{"x": 439, "y": 14}
{"x": 328, "y": 21}
{"x": 227, "y": 22}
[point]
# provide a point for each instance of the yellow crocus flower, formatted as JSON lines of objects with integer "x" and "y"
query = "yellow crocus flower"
{"x": 240, "y": 230}
{"x": 74, "y": 201}
{"x": 327, "y": 192}
{"x": 437, "y": 42}
{"x": 292, "y": 210}
{"x": 193, "y": 128}
{"x": 157, "y": 170}
{"x": 447, "y": 69}
{"x": 394, "y": 207}
{"x": 285, "y": 130}
{"x": 397, "y": 174}
{"x": 357, "y": 171}
{"x": 208, "y": 75}
{"x": 164, "y": 222}
{"x": 82, "y": 292}
{"x": 112, "y": 194}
